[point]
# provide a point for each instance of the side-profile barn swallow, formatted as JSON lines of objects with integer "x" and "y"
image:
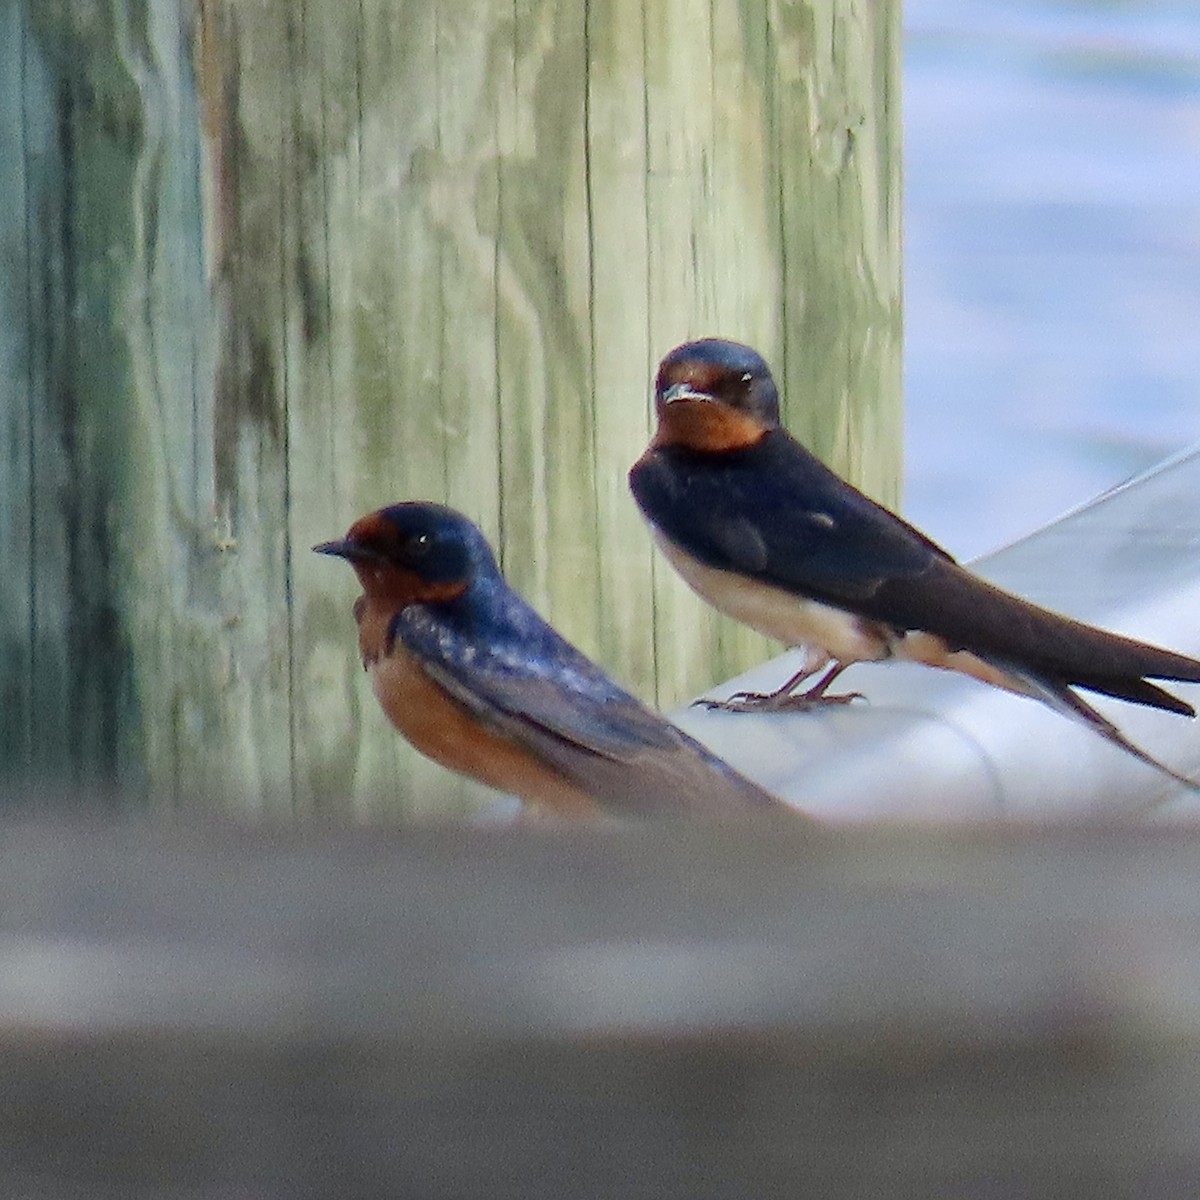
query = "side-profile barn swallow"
{"x": 478, "y": 682}
{"x": 765, "y": 532}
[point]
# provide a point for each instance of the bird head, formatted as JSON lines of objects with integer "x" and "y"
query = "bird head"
{"x": 713, "y": 395}
{"x": 414, "y": 553}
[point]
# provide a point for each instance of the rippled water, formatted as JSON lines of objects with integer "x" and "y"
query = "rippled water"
{"x": 1052, "y": 255}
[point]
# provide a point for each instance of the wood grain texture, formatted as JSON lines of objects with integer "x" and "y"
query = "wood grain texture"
{"x": 275, "y": 264}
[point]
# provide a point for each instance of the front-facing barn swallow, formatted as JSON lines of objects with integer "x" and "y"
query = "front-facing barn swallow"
{"x": 765, "y": 532}
{"x": 478, "y": 682}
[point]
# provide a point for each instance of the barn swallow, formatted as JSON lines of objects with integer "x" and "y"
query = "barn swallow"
{"x": 478, "y": 682}
{"x": 765, "y": 532}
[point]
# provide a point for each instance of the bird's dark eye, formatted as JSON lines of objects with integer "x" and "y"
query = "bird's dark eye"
{"x": 747, "y": 377}
{"x": 420, "y": 545}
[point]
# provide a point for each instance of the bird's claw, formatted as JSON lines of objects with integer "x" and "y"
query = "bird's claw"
{"x": 764, "y": 702}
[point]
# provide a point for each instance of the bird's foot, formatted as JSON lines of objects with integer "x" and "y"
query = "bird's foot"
{"x": 781, "y": 701}
{"x": 786, "y": 698}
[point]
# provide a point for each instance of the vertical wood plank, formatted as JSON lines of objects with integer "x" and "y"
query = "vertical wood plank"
{"x": 80, "y": 133}
{"x": 618, "y": 286}
{"x": 834, "y": 69}
{"x": 21, "y": 141}
{"x": 255, "y": 163}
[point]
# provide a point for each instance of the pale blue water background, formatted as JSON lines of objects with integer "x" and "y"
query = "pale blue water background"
{"x": 1052, "y": 159}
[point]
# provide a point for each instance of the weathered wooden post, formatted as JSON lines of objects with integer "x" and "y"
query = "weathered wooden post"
{"x": 269, "y": 264}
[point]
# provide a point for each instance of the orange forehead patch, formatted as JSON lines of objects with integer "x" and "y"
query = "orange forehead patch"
{"x": 371, "y": 529}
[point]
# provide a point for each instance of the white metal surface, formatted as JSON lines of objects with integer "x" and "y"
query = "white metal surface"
{"x": 929, "y": 744}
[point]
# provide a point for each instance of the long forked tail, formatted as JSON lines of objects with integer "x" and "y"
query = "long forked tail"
{"x": 1063, "y": 700}
{"x": 1140, "y": 691}
{"x": 1037, "y": 644}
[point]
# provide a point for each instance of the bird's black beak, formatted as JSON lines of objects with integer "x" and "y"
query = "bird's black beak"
{"x": 351, "y": 551}
{"x": 683, "y": 391}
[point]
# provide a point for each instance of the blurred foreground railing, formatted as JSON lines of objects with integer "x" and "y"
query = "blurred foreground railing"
{"x": 654, "y": 1011}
